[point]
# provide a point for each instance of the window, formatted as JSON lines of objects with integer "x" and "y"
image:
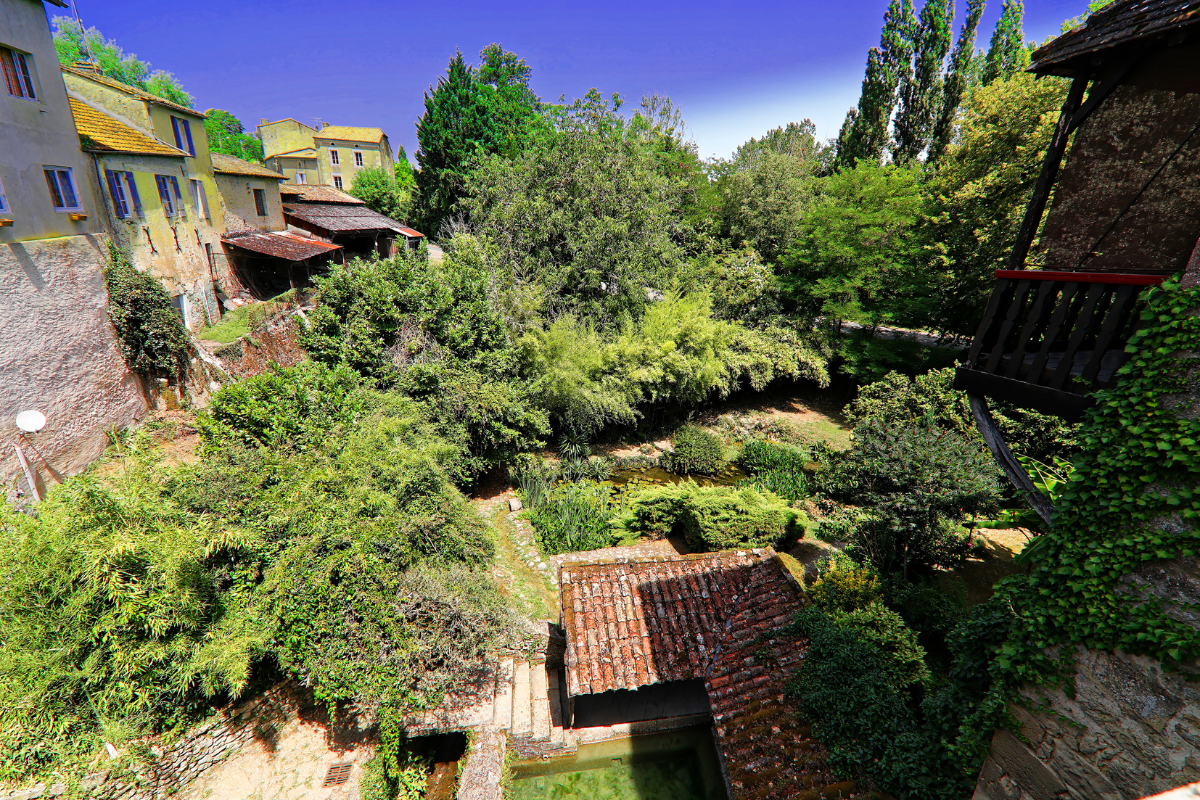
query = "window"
{"x": 116, "y": 191}
{"x": 358, "y": 162}
{"x": 132, "y": 195}
{"x": 200, "y": 198}
{"x": 337, "y": 181}
{"x": 62, "y": 189}
{"x": 18, "y": 77}
{"x": 300, "y": 178}
{"x": 183, "y": 135}
{"x": 180, "y": 303}
{"x": 260, "y": 202}
{"x": 333, "y": 157}
{"x": 168, "y": 193}
{"x": 3, "y": 199}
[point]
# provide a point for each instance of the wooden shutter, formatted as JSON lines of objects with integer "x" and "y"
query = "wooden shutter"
{"x": 187, "y": 129}
{"x": 11, "y": 81}
{"x": 175, "y": 128}
{"x": 120, "y": 207}
{"x": 133, "y": 194}
{"x": 164, "y": 194}
{"x": 260, "y": 202}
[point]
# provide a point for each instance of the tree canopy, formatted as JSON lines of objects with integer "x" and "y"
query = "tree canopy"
{"x": 73, "y": 44}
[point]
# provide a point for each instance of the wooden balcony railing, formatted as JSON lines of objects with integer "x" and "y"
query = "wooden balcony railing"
{"x": 1047, "y": 339}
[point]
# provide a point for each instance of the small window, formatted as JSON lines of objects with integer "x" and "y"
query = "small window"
{"x": 333, "y": 157}
{"x": 183, "y": 135}
{"x": 62, "y": 189}
{"x": 200, "y": 198}
{"x": 300, "y": 178}
{"x": 337, "y": 181}
{"x": 116, "y": 191}
{"x": 260, "y": 202}
{"x": 180, "y": 303}
{"x": 358, "y": 162}
{"x": 168, "y": 193}
{"x": 3, "y": 199}
{"x": 18, "y": 77}
{"x": 132, "y": 195}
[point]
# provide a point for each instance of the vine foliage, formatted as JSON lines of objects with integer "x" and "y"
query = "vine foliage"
{"x": 154, "y": 342}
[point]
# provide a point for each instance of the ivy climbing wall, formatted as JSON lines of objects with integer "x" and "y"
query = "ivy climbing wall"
{"x": 1101, "y": 664}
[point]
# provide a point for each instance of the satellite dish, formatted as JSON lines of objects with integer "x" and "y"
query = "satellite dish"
{"x": 31, "y": 421}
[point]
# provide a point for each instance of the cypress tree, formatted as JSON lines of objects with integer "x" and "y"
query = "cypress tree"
{"x": 1006, "y": 53}
{"x": 921, "y": 93}
{"x": 956, "y": 80}
{"x": 865, "y": 135}
{"x": 446, "y": 134}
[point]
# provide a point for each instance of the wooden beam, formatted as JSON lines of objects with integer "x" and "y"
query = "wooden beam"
{"x": 1057, "y": 402}
{"x": 1041, "y": 191}
{"x": 1008, "y": 462}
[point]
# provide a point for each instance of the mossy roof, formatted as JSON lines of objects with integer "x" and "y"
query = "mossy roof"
{"x": 103, "y": 133}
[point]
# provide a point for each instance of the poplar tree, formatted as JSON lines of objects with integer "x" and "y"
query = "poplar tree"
{"x": 921, "y": 93}
{"x": 956, "y": 80}
{"x": 865, "y": 133}
{"x": 1006, "y": 53}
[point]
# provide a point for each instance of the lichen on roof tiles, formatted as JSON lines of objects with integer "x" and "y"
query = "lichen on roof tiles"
{"x": 100, "y": 132}
{"x": 130, "y": 90}
{"x": 350, "y": 133}
{"x": 230, "y": 165}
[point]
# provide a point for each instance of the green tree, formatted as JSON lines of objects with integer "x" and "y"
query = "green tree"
{"x": 1007, "y": 54}
{"x": 227, "y": 135}
{"x": 864, "y": 135}
{"x": 405, "y": 177}
{"x": 856, "y": 243}
{"x": 467, "y": 116}
{"x": 73, "y": 44}
{"x": 921, "y": 93}
{"x": 956, "y": 80}
{"x": 978, "y": 197}
{"x": 381, "y": 192}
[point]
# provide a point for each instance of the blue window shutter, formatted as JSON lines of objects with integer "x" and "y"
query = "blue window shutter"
{"x": 164, "y": 194}
{"x": 133, "y": 194}
{"x": 187, "y": 128}
{"x": 175, "y": 186}
{"x": 175, "y": 127}
{"x": 114, "y": 190}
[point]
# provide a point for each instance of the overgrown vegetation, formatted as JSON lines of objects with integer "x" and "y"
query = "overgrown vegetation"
{"x": 712, "y": 517}
{"x": 151, "y": 334}
{"x": 74, "y": 43}
{"x": 777, "y": 468}
{"x": 695, "y": 450}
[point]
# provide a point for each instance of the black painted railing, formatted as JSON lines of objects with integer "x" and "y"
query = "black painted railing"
{"x": 1048, "y": 339}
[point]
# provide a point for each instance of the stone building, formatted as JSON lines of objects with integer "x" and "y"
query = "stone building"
{"x": 328, "y": 154}
{"x": 58, "y": 351}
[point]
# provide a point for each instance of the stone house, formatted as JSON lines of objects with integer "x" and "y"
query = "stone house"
{"x": 330, "y": 154}
{"x": 152, "y": 163}
{"x": 58, "y": 351}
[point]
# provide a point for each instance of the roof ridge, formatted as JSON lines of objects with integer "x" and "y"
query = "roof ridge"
{"x": 134, "y": 91}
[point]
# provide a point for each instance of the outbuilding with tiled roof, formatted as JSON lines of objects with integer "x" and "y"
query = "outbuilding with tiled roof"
{"x": 231, "y": 165}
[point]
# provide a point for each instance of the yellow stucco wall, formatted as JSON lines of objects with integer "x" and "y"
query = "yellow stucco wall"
{"x": 374, "y": 155}
{"x": 35, "y": 134}
{"x": 237, "y": 200}
{"x": 290, "y": 166}
{"x": 171, "y": 249}
{"x": 285, "y": 136}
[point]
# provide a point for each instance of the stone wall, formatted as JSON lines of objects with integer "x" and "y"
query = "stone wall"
{"x": 274, "y": 342}
{"x": 1130, "y": 730}
{"x": 59, "y": 355}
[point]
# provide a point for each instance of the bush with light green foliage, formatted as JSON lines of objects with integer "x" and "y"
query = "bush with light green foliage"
{"x": 845, "y": 590}
{"x": 776, "y": 467}
{"x": 711, "y": 518}
{"x": 695, "y": 450}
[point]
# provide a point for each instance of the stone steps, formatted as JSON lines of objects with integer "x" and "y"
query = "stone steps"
{"x": 528, "y": 705}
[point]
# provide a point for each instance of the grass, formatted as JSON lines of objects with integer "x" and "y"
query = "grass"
{"x": 233, "y": 324}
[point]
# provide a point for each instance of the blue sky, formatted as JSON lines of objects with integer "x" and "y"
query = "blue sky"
{"x": 735, "y": 69}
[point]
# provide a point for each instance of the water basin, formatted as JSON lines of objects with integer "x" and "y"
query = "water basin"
{"x": 674, "y": 765}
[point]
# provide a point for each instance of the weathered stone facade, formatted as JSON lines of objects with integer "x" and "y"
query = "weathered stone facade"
{"x": 1130, "y": 730}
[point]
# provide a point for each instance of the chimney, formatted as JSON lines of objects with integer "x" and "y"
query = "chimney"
{"x": 318, "y": 125}
{"x": 262, "y": 121}
{"x": 324, "y": 125}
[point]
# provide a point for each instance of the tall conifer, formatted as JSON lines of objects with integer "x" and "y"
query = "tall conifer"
{"x": 865, "y": 134}
{"x": 956, "y": 80}
{"x": 921, "y": 92}
{"x": 1006, "y": 53}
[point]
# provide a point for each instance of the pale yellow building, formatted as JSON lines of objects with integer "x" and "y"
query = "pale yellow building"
{"x": 152, "y": 162}
{"x": 249, "y": 195}
{"x": 328, "y": 155}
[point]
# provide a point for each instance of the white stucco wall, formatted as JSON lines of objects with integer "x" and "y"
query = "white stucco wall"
{"x": 59, "y": 355}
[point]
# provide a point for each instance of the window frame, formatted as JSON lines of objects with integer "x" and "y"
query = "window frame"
{"x": 173, "y": 207}
{"x": 200, "y": 197}
{"x": 22, "y": 74}
{"x": 178, "y": 123}
{"x": 4, "y": 209}
{"x": 301, "y": 180}
{"x": 358, "y": 158}
{"x": 131, "y": 184}
{"x": 337, "y": 182}
{"x": 334, "y": 158}
{"x": 54, "y": 185}
{"x": 117, "y": 193}
{"x": 260, "y": 201}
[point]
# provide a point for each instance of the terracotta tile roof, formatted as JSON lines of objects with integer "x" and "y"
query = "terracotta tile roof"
{"x": 317, "y": 193}
{"x": 1124, "y": 24}
{"x": 130, "y": 90}
{"x": 716, "y": 616}
{"x": 281, "y": 245}
{"x": 304, "y": 152}
{"x": 106, "y": 134}
{"x": 410, "y": 232}
{"x": 331, "y": 219}
{"x": 350, "y": 133}
{"x": 230, "y": 165}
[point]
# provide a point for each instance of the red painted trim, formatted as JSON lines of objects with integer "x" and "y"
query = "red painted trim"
{"x": 1081, "y": 277}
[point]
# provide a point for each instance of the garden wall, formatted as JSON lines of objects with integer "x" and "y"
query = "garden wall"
{"x": 59, "y": 355}
{"x": 274, "y": 342}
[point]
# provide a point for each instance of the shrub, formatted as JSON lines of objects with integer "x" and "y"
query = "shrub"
{"x": 153, "y": 340}
{"x": 885, "y": 632}
{"x": 574, "y": 516}
{"x": 712, "y": 518}
{"x": 695, "y": 450}
{"x": 847, "y": 589}
{"x": 777, "y": 468}
{"x": 916, "y": 481}
{"x": 839, "y": 525}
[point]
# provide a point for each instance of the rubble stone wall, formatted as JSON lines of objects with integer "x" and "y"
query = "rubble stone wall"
{"x": 59, "y": 355}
